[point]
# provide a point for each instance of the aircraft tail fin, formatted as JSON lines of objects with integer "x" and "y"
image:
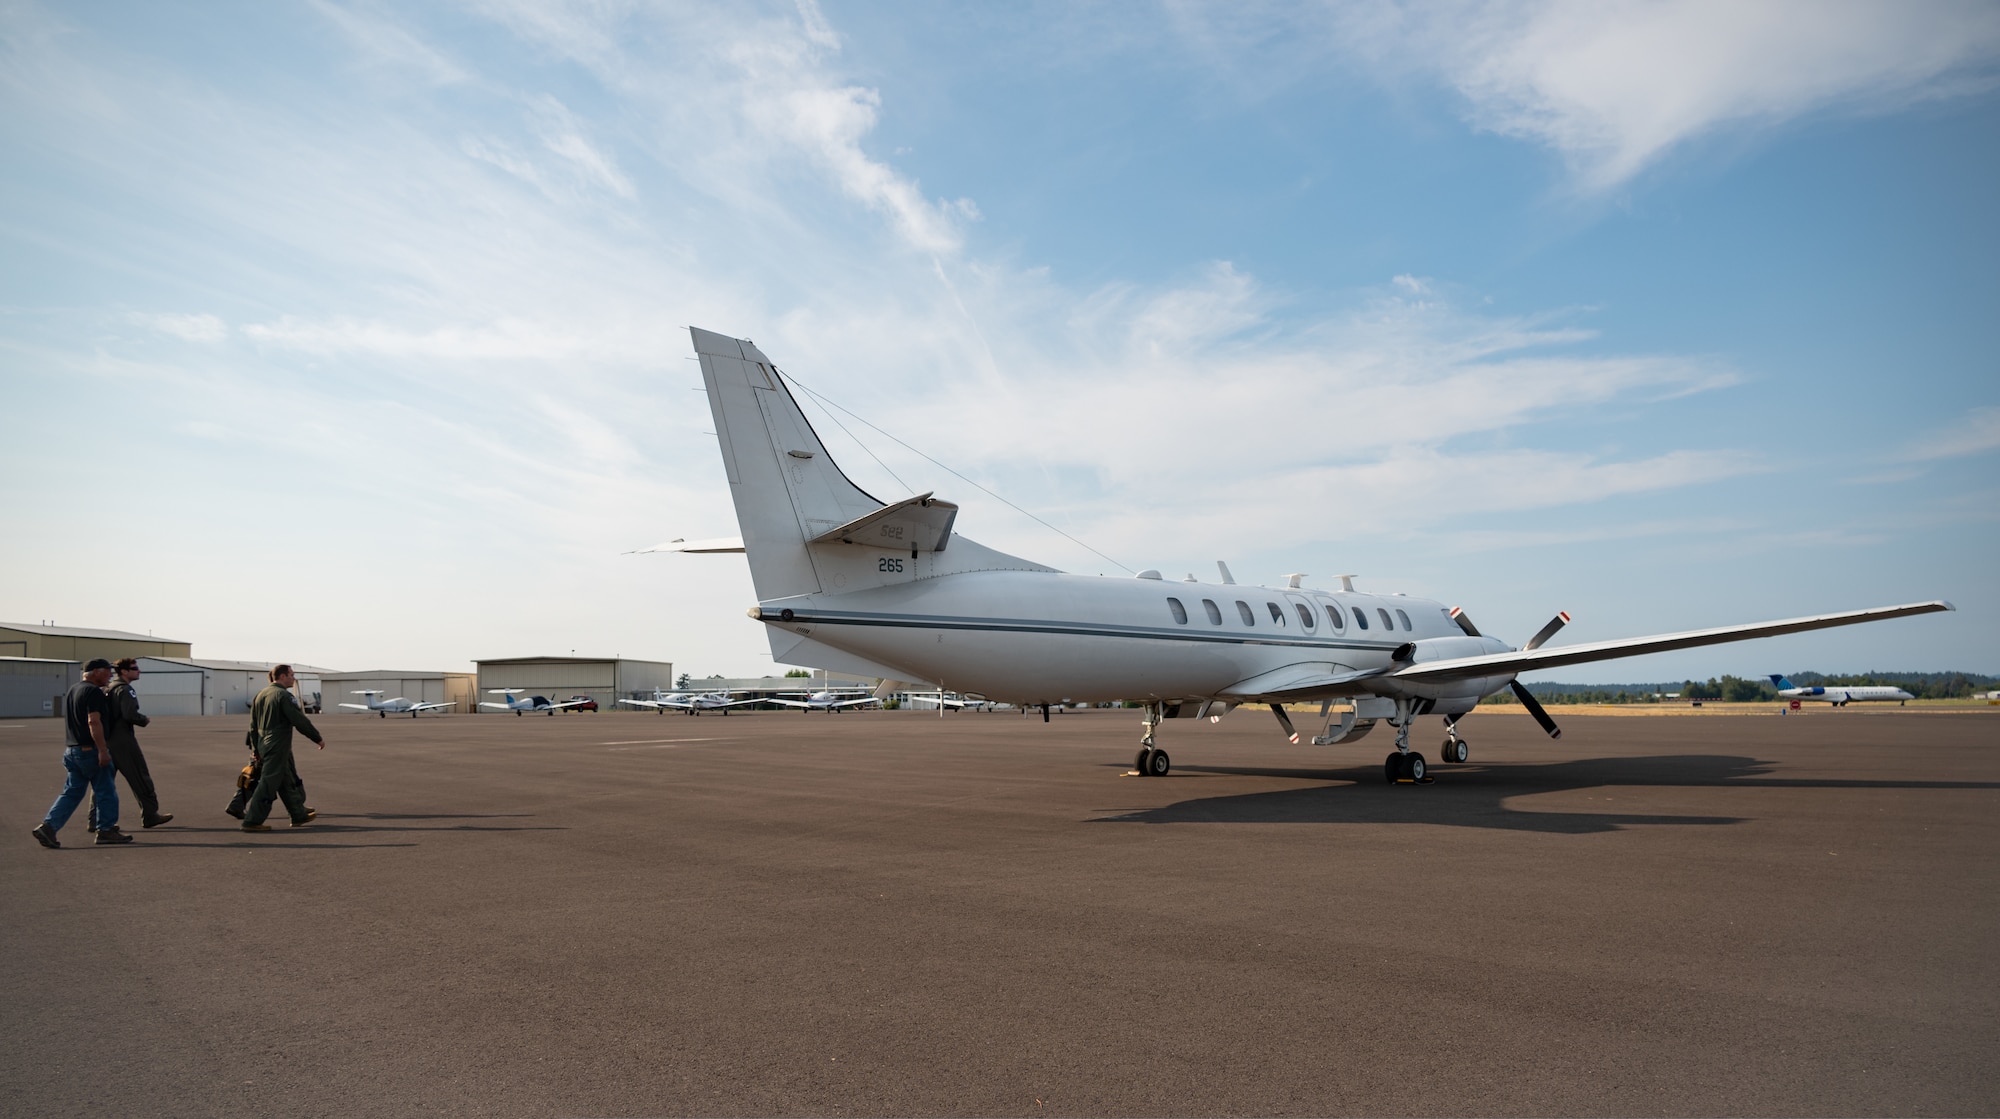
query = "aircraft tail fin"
{"x": 1782, "y": 684}
{"x": 787, "y": 489}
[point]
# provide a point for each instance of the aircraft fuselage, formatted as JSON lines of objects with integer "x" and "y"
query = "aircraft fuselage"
{"x": 1042, "y": 637}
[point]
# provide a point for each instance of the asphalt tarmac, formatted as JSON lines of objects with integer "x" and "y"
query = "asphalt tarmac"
{"x": 896, "y": 913}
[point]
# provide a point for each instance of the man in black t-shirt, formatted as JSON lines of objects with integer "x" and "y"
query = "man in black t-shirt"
{"x": 87, "y": 759}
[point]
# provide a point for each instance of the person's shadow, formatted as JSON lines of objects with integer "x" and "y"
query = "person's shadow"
{"x": 1476, "y": 796}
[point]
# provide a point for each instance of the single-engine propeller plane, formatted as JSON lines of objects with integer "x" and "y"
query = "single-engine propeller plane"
{"x": 852, "y": 584}
{"x": 694, "y": 703}
{"x": 522, "y": 704}
{"x": 397, "y": 706}
{"x": 825, "y": 700}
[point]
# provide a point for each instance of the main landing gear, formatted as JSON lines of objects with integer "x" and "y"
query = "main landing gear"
{"x": 1152, "y": 761}
{"x": 1405, "y": 764}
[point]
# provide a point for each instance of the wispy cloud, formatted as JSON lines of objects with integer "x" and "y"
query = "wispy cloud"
{"x": 1975, "y": 434}
{"x": 186, "y": 327}
{"x": 1614, "y": 86}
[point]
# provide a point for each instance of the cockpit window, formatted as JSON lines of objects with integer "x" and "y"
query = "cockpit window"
{"x": 1277, "y": 615}
{"x": 1180, "y": 612}
{"x": 1404, "y": 617}
{"x": 1243, "y": 608}
{"x": 1360, "y": 618}
{"x": 1214, "y": 615}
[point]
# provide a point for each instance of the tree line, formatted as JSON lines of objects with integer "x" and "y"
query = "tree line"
{"x": 1736, "y": 689}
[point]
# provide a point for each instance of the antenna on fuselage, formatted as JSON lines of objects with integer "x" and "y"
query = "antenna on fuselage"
{"x": 1292, "y": 581}
{"x": 1346, "y": 582}
{"x": 1228, "y": 580}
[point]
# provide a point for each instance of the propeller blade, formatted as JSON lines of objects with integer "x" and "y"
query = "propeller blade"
{"x": 1285, "y": 721}
{"x": 1464, "y": 623}
{"x": 1548, "y": 631}
{"x": 1534, "y": 707}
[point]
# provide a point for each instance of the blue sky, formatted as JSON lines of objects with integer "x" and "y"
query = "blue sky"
{"x": 352, "y": 333}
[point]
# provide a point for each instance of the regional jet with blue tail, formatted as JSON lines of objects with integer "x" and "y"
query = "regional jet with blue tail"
{"x": 852, "y": 584}
{"x": 1840, "y": 695}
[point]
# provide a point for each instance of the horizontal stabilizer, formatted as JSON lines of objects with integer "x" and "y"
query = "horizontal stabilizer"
{"x": 921, "y": 524}
{"x": 1528, "y": 660}
{"x": 710, "y": 546}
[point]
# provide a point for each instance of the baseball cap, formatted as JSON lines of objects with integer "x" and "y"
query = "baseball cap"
{"x": 96, "y": 663}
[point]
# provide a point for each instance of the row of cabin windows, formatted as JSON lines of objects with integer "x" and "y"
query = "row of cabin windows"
{"x": 1306, "y": 617}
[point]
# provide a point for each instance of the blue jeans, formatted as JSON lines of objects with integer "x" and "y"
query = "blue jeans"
{"x": 84, "y": 774}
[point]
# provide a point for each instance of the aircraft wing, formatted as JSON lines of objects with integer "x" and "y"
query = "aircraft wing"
{"x": 567, "y": 703}
{"x": 1301, "y": 681}
{"x": 647, "y": 703}
{"x": 358, "y": 706}
{"x": 790, "y": 702}
{"x": 1527, "y": 660}
{"x": 739, "y": 702}
{"x": 498, "y": 706}
{"x": 431, "y": 706}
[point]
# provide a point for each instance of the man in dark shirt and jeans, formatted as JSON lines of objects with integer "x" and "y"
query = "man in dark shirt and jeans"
{"x": 87, "y": 758}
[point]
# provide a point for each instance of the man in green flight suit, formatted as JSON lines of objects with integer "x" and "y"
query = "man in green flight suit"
{"x": 273, "y": 715}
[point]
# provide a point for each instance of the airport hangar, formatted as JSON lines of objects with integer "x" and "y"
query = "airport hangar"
{"x": 606, "y": 680}
{"x": 186, "y": 686}
{"x": 38, "y": 663}
{"x": 459, "y": 688}
{"x": 71, "y": 644}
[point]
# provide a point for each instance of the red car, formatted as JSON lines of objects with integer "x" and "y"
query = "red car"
{"x": 583, "y": 703}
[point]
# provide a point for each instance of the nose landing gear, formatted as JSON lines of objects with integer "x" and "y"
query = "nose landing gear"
{"x": 1152, "y": 761}
{"x": 1455, "y": 749}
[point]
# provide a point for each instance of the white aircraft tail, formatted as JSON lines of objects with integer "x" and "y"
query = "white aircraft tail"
{"x": 787, "y": 489}
{"x": 806, "y": 527}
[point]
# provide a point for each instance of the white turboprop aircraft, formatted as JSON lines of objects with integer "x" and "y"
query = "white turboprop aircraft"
{"x": 692, "y": 703}
{"x": 521, "y": 705}
{"x": 397, "y": 706}
{"x": 1840, "y": 695}
{"x": 851, "y": 584}
{"x": 827, "y": 700}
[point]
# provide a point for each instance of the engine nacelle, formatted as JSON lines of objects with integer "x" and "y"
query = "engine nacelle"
{"x": 1444, "y": 649}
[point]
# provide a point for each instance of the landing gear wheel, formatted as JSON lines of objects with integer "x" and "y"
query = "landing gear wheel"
{"x": 1158, "y": 764}
{"x": 1392, "y": 768}
{"x": 1454, "y": 750}
{"x": 1413, "y": 766}
{"x": 1144, "y": 759}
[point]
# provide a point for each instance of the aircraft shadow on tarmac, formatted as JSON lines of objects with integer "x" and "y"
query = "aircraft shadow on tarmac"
{"x": 1473, "y": 796}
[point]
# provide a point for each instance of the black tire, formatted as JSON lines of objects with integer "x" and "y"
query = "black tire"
{"x": 1414, "y": 766}
{"x": 1143, "y": 761}
{"x": 1159, "y": 765}
{"x": 1392, "y": 768}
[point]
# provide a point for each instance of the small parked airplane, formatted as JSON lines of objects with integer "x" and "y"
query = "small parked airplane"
{"x": 397, "y": 706}
{"x": 827, "y": 700}
{"x": 849, "y": 583}
{"x": 690, "y": 702}
{"x": 521, "y": 705}
{"x": 1840, "y": 695}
